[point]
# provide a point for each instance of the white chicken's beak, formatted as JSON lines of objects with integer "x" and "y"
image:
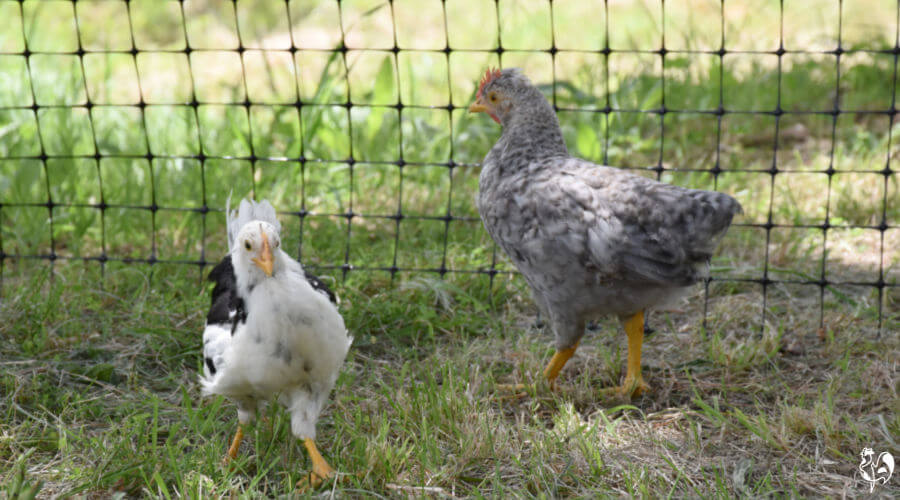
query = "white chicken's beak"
{"x": 265, "y": 261}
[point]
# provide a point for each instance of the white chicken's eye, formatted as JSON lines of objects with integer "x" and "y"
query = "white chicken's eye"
{"x": 277, "y": 243}
{"x": 247, "y": 244}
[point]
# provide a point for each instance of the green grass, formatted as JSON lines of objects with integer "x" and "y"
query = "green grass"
{"x": 98, "y": 371}
{"x": 103, "y": 398}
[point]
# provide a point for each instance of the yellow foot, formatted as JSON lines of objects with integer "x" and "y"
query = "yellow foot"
{"x": 320, "y": 471}
{"x": 315, "y": 478}
{"x": 232, "y": 452}
{"x": 630, "y": 389}
{"x": 637, "y": 387}
{"x": 515, "y": 391}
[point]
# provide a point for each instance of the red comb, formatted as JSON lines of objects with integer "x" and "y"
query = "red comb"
{"x": 489, "y": 75}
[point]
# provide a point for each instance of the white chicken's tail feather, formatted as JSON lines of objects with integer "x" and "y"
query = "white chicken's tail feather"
{"x": 206, "y": 385}
{"x": 216, "y": 339}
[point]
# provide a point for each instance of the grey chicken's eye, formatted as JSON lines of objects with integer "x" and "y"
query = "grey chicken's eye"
{"x": 492, "y": 96}
{"x": 247, "y": 244}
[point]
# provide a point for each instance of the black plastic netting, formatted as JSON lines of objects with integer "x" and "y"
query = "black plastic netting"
{"x": 94, "y": 91}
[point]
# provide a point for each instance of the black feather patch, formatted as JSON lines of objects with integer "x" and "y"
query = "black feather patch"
{"x": 227, "y": 307}
{"x": 210, "y": 365}
{"x": 320, "y": 287}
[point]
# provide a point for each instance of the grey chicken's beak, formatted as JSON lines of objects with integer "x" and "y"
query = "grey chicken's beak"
{"x": 265, "y": 261}
{"x": 478, "y": 107}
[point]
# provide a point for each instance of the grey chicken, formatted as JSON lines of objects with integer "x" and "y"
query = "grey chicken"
{"x": 590, "y": 240}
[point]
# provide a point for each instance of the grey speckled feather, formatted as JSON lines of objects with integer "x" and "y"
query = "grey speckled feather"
{"x": 590, "y": 240}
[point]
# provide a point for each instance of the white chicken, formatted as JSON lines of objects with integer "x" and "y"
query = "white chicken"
{"x": 273, "y": 332}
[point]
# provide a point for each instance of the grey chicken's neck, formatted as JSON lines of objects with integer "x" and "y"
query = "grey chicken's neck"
{"x": 532, "y": 133}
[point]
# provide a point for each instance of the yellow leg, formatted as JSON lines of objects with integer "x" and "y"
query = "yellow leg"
{"x": 557, "y": 362}
{"x": 320, "y": 468}
{"x": 634, "y": 383}
{"x": 235, "y": 444}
